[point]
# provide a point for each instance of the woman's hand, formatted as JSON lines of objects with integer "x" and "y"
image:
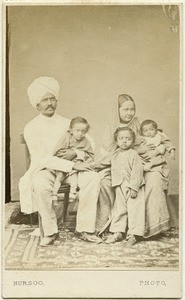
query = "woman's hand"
{"x": 160, "y": 150}
{"x": 83, "y": 166}
{"x": 68, "y": 154}
{"x": 143, "y": 148}
{"x": 147, "y": 157}
{"x": 172, "y": 155}
{"x": 149, "y": 153}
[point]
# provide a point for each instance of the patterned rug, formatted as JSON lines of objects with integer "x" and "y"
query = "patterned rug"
{"x": 22, "y": 252}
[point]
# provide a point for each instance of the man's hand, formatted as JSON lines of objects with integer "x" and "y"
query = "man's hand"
{"x": 68, "y": 154}
{"x": 133, "y": 194}
{"x": 83, "y": 166}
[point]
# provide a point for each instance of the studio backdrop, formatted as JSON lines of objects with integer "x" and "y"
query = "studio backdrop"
{"x": 96, "y": 53}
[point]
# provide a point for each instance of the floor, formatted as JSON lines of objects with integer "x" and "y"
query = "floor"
{"x": 22, "y": 250}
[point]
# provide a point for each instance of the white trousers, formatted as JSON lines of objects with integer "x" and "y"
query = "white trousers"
{"x": 128, "y": 212}
{"x": 89, "y": 184}
{"x": 72, "y": 179}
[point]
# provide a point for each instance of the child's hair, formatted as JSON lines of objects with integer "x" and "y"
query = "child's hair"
{"x": 147, "y": 122}
{"x": 124, "y": 129}
{"x": 79, "y": 120}
{"x": 123, "y": 98}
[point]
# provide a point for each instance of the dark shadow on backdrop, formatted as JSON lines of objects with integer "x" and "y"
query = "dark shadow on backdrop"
{"x": 7, "y": 118}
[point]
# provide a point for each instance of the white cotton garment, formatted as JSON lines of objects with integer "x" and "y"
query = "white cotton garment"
{"x": 42, "y": 136}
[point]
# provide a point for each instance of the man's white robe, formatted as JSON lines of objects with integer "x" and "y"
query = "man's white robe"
{"x": 43, "y": 136}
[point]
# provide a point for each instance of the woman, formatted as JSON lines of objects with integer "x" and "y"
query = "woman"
{"x": 157, "y": 216}
{"x": 123, "y": 115}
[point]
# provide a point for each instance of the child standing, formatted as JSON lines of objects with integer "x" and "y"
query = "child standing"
{"x": 75, "y": 139}
{"x": 127, "y": 180}
{"x": 156, "y": 143}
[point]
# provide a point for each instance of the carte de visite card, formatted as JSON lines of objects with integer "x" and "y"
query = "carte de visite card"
{"x": 113, "y": 229}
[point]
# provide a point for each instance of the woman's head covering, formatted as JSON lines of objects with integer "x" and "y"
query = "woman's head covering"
{"x": 40, "y": 86}
{"x": 124, "y": 98}
{"x": 115, "y": 121}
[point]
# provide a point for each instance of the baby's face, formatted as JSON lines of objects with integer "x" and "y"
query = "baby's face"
{"x": 78, "y": 131}
{"x": 149, "y": 130}
{"x": 124, "y": 140}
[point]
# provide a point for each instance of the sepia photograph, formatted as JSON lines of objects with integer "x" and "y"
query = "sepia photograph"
{"x": 93, "y": 140}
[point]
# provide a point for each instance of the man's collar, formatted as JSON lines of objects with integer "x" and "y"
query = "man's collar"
{"x": 48, "y": 118}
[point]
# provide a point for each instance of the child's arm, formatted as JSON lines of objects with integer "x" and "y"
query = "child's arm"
{"x": 68, "y": 154}
{"x": 103, "y": 162}
{"x": 89, "y": 153}
{"x": 165, "y": 141}
{"x": 136, "y": 178}
{"x": 63, "y": 149}
{"x": 84, "y": 151}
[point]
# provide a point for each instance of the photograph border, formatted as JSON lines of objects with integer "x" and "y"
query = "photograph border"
{"x": 92, "y": 283}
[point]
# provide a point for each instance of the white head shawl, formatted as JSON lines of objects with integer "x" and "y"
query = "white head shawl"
{"x": 40, "y": 86}
{"x": 114, "y": 122}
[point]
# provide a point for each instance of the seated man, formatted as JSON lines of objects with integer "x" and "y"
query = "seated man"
{"x": 42, "y": 135}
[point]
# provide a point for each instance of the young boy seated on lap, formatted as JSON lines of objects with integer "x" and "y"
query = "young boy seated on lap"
{"x": 75, "y": 139}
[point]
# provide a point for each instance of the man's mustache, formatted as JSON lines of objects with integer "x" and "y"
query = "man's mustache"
{"x": 49, "y": 106}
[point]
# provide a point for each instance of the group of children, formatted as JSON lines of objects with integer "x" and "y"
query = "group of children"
{"x": 132, "y": 157}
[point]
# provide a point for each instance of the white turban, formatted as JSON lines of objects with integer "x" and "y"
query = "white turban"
{"x": 40, "y": 86}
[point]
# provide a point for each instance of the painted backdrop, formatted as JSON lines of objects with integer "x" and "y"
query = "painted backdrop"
{"x": 96, "y": 53}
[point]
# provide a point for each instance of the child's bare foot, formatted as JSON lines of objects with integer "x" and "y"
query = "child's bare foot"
{"x": 132, "y": 240}
{"x": 115, "y": 237}
{"x": 90, "y": 237}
